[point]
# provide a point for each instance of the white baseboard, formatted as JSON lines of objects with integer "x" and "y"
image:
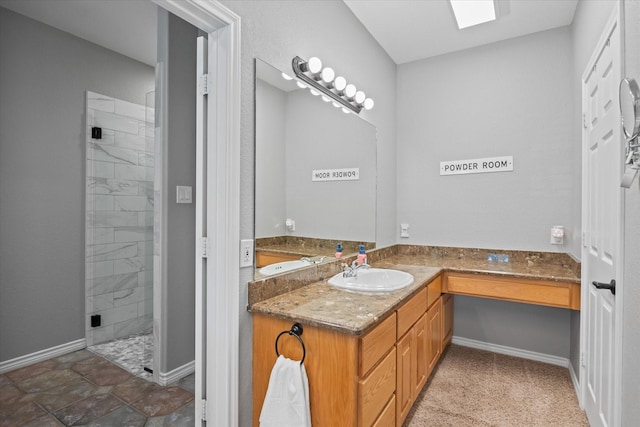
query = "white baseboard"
{"x": 166, "y": 378}
{"x": 39, "y": 356}
{"x": 576, "y": 384}
{"x": 511, "y": 351}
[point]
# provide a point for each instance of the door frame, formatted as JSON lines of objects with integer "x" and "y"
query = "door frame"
{"x": 217, "y": 320}
{"x": 615, "y": 18}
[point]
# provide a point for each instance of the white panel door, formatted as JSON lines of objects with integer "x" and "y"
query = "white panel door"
{"x": 602, "y": 160}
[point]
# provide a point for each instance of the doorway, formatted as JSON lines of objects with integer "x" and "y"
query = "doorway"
{"x": 217, "y": 213}
{"x": 602, "y": 236}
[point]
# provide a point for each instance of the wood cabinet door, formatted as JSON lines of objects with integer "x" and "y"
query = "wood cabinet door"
{"x": 434, "y": 327}
{"x": 421, "y": 337}
{"x": 447, "y": 320}
{"x": 404, "y": 386}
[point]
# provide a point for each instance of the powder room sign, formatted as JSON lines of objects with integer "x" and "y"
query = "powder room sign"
{"x": 349, "y": 174}
{"x": 489, "y": 164}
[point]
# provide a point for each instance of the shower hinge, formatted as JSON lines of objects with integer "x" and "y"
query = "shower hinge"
{"x": 203, "y": 84}
{"x": 204, "y": 245}
{"x": 203, "y": 404}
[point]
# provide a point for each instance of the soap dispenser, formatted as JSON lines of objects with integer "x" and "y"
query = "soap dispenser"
{"x": 362, "y": 256}
{"x": 339, "y": 250}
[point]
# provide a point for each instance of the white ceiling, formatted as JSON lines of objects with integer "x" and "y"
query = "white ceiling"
{"x": 407, "y": 29}
{"x": 127, "y": 27}
{"x": 415, "y": 29}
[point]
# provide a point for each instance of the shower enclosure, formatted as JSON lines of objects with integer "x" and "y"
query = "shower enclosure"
{"x": 119, "y": 230}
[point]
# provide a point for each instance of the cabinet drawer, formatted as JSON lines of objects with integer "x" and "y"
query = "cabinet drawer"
{"x": 376, "y": 343}
{"x": 542, "y": 292}
{"x": 411, "y": 311}
{"x": 388, "y": 416}
{"x": 434, "y": 289}
{"x": 375, "y": 390}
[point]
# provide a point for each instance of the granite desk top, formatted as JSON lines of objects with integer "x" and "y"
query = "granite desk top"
{"x": 319, "y": 304}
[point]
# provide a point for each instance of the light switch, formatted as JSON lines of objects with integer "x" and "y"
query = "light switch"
{"x": 404, "y": 230}
{"x": 183, "y": 194}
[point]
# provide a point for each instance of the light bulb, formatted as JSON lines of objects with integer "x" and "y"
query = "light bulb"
{"x": 368, "y": 104}
{"x": 350, "y": 91}
{"x": 327, "y": 75}
{"x": 345, "y": 110}
{"x": 360, "y": 97}
{"x": 335, "y": 104}
{"x": 313, "y": 65}
{"x": 340, "y": 83}
{"x": 325, "y": 98}
{"x": 314, "y": 92}
{"x": 286, "y": 76}
{"x": 301, "y": 85}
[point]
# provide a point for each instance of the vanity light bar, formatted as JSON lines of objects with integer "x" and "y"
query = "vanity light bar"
{"x": 323, "y": 81}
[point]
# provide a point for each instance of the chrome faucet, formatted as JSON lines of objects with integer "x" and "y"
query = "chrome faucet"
{"x": 352, "y": 271}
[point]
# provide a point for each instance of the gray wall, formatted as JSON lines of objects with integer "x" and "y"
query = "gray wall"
{"x": 507, "y": 98}
{"x": 177, "y": 49}
{"x": 44, "y": 76}
{"x": 276, "y": 31}
{"x": 522, "y": 326}
{"x": 631, "y": 281}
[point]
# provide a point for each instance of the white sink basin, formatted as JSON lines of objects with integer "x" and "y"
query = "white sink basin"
{"x": 284, "y": 266}
{"x": 373, "y": 280}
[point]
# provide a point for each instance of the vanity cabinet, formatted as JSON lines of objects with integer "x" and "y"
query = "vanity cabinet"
{"x": 367, "y": 380}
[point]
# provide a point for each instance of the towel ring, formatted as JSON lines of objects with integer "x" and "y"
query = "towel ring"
{"x": 296, "y": 331}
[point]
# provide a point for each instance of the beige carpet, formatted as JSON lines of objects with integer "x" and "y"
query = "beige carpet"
{"x": 478, "y": 388}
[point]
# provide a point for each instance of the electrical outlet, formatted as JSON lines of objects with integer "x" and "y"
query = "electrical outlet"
{"x": 246, "y": 253}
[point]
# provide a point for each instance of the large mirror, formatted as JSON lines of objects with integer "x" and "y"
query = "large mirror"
{"x": 315, "y": 176}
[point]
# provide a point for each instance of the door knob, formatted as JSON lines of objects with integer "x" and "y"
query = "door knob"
{"x": 611, "y": 286}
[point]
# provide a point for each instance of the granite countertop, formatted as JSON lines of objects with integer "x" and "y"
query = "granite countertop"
{"x": 320, "y": 304}
{"x": 317, "y": 303}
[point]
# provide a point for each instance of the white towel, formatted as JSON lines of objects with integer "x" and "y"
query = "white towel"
{"x": 287, "y": 401}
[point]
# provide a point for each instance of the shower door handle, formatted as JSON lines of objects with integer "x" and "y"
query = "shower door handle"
{"x": 611, "y": 285}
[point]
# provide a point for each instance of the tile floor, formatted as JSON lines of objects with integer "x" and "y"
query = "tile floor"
{"x": 132, "y": 354}
{"x": 85, "y": 389}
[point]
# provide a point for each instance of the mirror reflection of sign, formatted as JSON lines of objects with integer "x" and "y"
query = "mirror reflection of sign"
{"x": 490, "y": 164}
{"x": 348, "y": 174}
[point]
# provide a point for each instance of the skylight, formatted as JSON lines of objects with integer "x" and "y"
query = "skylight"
{"x": 473, "y": 12}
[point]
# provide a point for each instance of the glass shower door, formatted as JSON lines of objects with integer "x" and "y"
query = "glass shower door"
{"x": 147, "y": 305}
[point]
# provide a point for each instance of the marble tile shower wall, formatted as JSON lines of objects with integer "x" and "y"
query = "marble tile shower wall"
{"x": 119, "y": 218}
